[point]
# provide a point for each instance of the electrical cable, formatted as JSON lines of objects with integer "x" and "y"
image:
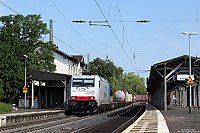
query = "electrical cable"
{"x": 197, "y": 17}
{"x": 114, "y": 33}
{"x": 124, "y": 33}
{"x": 9, "y": 7}
{"x": 145, "y": 21}
{"x": 67, "y": 45}
{"x": 109, "y": 9}
{"x": 136, "y": 21}
{"x": 73, "y": 26}
{"x": 102, "y": 44}
{"x": 40, "y": 6}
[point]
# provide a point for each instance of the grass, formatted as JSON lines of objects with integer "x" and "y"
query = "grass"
{"x": 5, "y": 107}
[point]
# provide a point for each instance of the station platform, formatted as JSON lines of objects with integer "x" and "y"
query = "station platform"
{"x": 179, "y": 120}
{"x": 175, "y": 119}
{"x": 151, "y": 121}
{"x": 31, "y": 110}
{"x": 28, "y": 115}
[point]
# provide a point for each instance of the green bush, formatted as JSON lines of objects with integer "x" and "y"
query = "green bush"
{"x": 5, "y": 107}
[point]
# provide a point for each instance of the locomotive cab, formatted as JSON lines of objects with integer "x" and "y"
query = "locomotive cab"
{"x": 86, "y": 93}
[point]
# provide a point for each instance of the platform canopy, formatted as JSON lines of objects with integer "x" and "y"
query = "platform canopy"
{"x": 172, "y": 67}
{"x": 47, "y": 76}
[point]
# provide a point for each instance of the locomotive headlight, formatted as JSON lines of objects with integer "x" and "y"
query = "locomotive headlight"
{"x": 92, "y": 98}
{"x": 73, "y": 98}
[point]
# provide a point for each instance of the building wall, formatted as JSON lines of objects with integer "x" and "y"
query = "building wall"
{"x": 80, "y": 69}
{"x": 73, "y": 67}
{"x": 66, "y": 66}
{"x": 61, "y": 64}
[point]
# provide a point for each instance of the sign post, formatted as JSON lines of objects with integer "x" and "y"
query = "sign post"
{"x": 190, "y": 67}
{"x": 25, "y": 82}
{"x": 25, "y": 91}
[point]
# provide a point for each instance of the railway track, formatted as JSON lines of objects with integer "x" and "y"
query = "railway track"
{"x": 85, "y": 121}
{"x": 117, "y": 123}
{"x": 74, "y": 123}
{"x": 98, "y": 122}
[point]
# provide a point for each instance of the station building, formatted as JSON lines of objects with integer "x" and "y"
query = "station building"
{"x": 50, "y": 90}
{"x": 168, "y": 83}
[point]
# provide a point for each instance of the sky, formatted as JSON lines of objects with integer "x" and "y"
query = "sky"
{"x": 130, "y": 45}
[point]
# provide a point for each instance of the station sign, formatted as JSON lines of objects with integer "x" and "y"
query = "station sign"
{"x": 24, "y": 89}
{"x": 184, "y": 77}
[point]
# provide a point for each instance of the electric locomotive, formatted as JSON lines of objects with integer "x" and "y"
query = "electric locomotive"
{"x": 88, "y": 94}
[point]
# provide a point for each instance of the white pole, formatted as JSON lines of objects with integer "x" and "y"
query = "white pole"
{"x": 32, "y": 94}
{"x": 190, "y": 101}
{"x": 25, "y": 85}
{"x": 165, "y": 87}
{"x": 190, "y": 98}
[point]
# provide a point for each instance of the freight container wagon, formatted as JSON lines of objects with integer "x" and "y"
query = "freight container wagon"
{"x": 120, "y": 95}
{"x": 142, "y": 98}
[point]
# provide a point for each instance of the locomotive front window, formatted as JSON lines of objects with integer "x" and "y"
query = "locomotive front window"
{"x": 77, "y": 82}
{"x": 83, "y": 83}
{"x": 88, "y": 82}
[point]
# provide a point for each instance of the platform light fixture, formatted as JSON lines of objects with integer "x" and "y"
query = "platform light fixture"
{"x": 190, "y": 100}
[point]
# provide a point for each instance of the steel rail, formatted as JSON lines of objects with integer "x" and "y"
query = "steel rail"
{"x": 85, "y": 129}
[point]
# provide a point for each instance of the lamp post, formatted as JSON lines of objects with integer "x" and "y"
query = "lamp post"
{"x": 25, "y": 81}
{"x": 190, "y": 100}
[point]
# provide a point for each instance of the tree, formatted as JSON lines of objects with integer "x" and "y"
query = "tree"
{"x": 134, "y": 84}
{"x": 118, "y": 81}
{"x": 1, "y": 90}
{"x": 20, "y": 36}
{"x": 107, "y": 70}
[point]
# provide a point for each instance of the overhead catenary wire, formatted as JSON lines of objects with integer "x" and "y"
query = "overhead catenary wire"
{"x": 91, "y": 39}
{"x": 60, "y": 39}
{"x": 44, "y": 37}
{"x": 165, "y": 54}
{"x": 49, "y": 9}
{"x": 197, "y": 16}
{"x": 125, "y": 34}
{"x": 146, "y": 21}
{"x": 102, "y": 44}
{"x": 153, "y": 54}
{"x": 73, "y": 26}
{"x": 114, "y": 33}
{"x": 40, "y": 6}
{"x": 9, "y": 7}
{"x": 67, "y": 45}
{"x": 124, "y": 30}
{"x": 109, "y": 9}
{"x": 135, "y": 21}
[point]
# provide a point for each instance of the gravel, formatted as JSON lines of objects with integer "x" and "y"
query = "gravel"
{"x": 81, "y": 123}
